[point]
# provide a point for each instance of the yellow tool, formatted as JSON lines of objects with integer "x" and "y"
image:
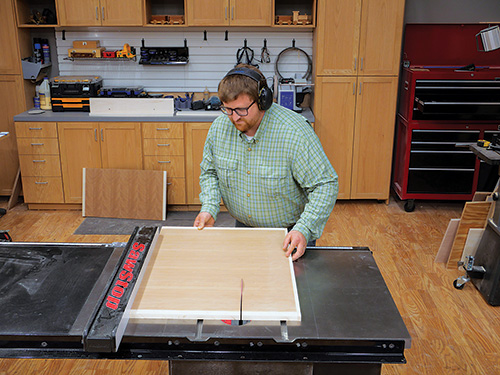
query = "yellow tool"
{"x": 483, "y": 143}
{"x": 127, "y": 51}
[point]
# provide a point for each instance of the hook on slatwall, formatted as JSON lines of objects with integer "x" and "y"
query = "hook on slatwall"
{"x": 205, "y": 35}
{"x": 226, "y": 37}
{"x": 293, "y": 43}
{"x": 185, "y": 43}
{"x": 64, "y": 35}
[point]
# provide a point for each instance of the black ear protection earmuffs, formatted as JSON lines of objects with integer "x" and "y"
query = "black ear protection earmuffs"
{"x": 265, "y": 94}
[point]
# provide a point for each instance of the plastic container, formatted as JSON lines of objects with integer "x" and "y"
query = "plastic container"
{"x": 45, "y": 97}
{"x": 206, "y": 95}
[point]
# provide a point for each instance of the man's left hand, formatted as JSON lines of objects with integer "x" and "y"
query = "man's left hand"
{"x": 294, "y": 240}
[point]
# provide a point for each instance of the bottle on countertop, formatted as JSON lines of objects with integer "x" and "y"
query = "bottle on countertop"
{"x": 206, "y": 95}
{"x": 38, "y": 52}
{"x": 45, "y": 97}
{"x": 36, "y": 99}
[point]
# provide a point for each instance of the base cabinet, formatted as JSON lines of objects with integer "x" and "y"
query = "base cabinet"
{"x": 196, "y": 134}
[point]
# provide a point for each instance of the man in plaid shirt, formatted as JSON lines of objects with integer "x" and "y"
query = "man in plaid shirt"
{"x": 266, "y": 163}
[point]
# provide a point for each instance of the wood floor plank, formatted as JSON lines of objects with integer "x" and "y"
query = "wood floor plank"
{"x": 453, "y": 331}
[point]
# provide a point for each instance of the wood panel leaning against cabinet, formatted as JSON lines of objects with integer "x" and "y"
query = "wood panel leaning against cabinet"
{"x": 357, "y": 50}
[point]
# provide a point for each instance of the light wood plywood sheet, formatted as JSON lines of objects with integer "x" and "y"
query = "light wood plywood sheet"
{"x": 196, "y": 274}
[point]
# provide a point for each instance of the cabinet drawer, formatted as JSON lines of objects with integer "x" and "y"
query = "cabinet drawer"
{"x": 440, "y": 181}
{"x": 445, "y": 136}
{"x": 43, "y": 190}
{"x": 163, "y": 147}
{"x": 442, "y": 159}
{"x": 163, "y": 130}
{"x": 37, "y": 146}
{"x": 174, "y": 165}
{"x": 45, "y": 165}
{"x": 36, "y": 129}
{"x": 176, "y": 190}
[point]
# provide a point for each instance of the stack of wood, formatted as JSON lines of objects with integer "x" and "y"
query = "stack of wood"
{"x": 464, "y": 235}
{"x": 167, "y": 20}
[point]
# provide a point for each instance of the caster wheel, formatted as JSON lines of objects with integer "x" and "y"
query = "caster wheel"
{"x": 459, "y": 287}
{"x": 410, "y": 205}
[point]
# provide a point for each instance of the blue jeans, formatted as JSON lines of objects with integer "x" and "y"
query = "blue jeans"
{"x": 239, "y": 224}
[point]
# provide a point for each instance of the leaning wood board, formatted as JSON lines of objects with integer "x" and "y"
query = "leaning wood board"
{"x": 125, "y": 193}
{"x": 196, "y": 274}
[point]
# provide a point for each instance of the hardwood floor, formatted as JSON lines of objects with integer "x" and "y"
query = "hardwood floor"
{"x": 453, "y": 332}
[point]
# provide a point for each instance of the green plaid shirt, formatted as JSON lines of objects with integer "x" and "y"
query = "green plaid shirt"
{"x": 280, "y": 178}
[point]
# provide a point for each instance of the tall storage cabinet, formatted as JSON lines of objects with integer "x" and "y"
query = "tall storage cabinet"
{"x": 357, "y": 48}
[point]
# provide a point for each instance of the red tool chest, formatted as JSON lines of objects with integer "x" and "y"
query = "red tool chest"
{"x": 441, "y": 104}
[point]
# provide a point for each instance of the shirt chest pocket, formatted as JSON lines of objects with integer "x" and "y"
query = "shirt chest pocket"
{"x": 226, "y": 171}
{"x": 273, "y": 178}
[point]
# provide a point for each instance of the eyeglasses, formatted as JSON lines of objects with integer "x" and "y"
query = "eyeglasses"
{"x": 239, "y": 111}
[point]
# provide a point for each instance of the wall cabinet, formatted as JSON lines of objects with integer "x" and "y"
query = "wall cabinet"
{"x": 359, "y": 37}
{"x": 229, "y": 12}
{"x": 196, "y": 133}
{"x": 100, "y": 12}
{"x": 96, "y": 145}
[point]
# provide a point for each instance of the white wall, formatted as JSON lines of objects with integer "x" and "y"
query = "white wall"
{"x": 208, "y": 60}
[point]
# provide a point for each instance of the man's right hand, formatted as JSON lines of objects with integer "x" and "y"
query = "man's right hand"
{"x": 204, "y": 219}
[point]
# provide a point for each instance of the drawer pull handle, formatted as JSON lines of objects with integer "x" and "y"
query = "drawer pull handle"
{"x": 169, "y": 183}
{"x": 163, "y": 144}
{"x": 38, "y": 161}
{"x": 162, "y": 128}
{"x": 41, "y": 183}
{"x": 35, "y": 128}
{"x": 37, "y": 144}
{"x": 164, "y": 161}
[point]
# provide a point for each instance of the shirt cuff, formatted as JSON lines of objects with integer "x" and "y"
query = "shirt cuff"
{"x": 304, "y": 230}
{"x": 211, "y": 209}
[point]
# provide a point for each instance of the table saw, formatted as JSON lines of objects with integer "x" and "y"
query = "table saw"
{"x": 65, "y": 300}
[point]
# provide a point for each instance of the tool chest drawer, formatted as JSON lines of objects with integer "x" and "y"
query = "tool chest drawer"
{"x": 36, "y": 129}
{"x": 173, "y": 164}
{"x": 440, "y": 181}
{"x": 163, "y": 130}
{"x": 44, "y": 165}
{"x": 38, "y": 146}
{"x": 163, "y": 147}
{"x": 43, "y": 189}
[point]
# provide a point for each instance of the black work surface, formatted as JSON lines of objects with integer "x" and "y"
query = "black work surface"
{"x": 43, "y": 288}
{"x": 488, "y": 156}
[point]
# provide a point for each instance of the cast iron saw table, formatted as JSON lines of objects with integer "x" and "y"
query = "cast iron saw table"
{"x": 69, "y": 300}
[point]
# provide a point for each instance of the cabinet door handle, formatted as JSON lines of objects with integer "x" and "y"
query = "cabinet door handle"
{"x": 163, "y": 144}
{"x": 97, "y": 13}
{"x": 360, "y": 86}
{"x": 95, "y": 134}
{"x": 354, "y": 88}
{"x": 38, "y": 161}
{"x": 102, "y": 135}
{"x": 361, "y": 65}
{"x": 35, "y": 128}
{"x": 102, "y": 12}
{"x": 232, "y": 13}
{"x": 164, "y": 161}
{"x": 41, "y": 182}
{"x": 355, "y": 63}
{"x": 37, "y": 144}
{"x": 169, "y": 183}
{"x": 225, "y": 17}
{"x": 162, "y": 128}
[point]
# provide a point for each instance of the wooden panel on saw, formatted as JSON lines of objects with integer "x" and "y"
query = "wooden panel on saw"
{"x": 196, "y": 274}
{"x": 125, "y": 193}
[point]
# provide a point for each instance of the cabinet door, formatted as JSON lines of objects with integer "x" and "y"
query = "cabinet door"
{"x": 250, "y": 13}
{"x": 121, "y": 12}
{"x": 373, "y": 137}
{"x": 207, "y": 13}
{"x": 337, "y": 37}
{"x": 11, "y": 103}
{"x": 196, "y": 133}
{"x": 380, "y": 40}
{"x": 334, "y": 111}
{"x": 10, "y": 61}
{"x": 121, "y": 145}
{"x": 79, "y": 13}
{"x": 79, "y": 148}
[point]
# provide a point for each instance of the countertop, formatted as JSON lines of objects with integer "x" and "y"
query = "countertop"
{"x": 181, "y": 116}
